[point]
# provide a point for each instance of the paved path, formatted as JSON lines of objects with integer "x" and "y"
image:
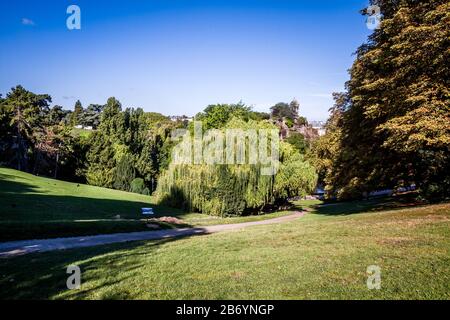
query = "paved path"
{"x": 15, "y": 248}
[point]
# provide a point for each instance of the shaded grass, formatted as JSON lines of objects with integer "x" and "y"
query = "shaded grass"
{"x": 359, "y": 206}
{"x": 316, "y": 257}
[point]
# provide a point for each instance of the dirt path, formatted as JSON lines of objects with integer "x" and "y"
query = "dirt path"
{"x": 15, "y": 248}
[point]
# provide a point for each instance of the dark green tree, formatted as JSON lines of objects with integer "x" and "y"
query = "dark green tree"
{"x": 101, "y": 159}
{"x": 283, "y": 110}
{"x": 77, "y": 113}
{"x": 56, "y": 115}
{"x": 92, "y": 116}
{"x": 25, "y": 112}
{"x": 124, "y": 173}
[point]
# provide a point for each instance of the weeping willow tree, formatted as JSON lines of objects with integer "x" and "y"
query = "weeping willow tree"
{"x": 235, "y": 189}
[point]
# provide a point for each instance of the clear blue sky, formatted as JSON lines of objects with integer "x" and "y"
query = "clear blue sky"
{"x": 178, "y": 56}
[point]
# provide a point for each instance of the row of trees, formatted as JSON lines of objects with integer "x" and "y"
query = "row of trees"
{"x": 127, "y": 151}
{"x": 391, "y": 127}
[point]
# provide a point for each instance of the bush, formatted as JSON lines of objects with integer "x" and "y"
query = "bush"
{"x": 137, "y": 185}
{"x": 289, "y": 122}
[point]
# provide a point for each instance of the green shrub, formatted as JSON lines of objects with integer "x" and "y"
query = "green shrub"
{"x": 289, "y": 122}
{"x": 137, "y": 185}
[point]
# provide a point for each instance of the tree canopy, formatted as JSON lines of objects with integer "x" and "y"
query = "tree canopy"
{"x": 392, "y": 127}
{"x": 236, "y": 189}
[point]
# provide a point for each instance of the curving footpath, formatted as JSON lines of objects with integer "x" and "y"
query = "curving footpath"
{"x": 15, "y": 248}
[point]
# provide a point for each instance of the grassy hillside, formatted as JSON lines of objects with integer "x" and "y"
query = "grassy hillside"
{"x": 323, "y": 255}
{"x": 36, "y": 207}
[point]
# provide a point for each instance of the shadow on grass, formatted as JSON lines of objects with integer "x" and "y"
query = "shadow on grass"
{"x": 28, "y": 213}
{"x": 43, "y": 275}
{"x": 364, "y": 206}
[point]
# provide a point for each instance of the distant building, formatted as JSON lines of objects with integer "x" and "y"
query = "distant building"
{"x": 319, "y": 126}
{"x": 181, "y": 118}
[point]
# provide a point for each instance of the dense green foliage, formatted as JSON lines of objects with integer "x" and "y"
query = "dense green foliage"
{"x": 91, "y": 116}
{"x": 236, "y": 189}
{"x": 128, "y": 149}
{"x": 297, "y": 140}
{"x": 391, "y": 128}
{"x": 217, "y": 115}
{"x": 33, "y": 137}
{"x": 287, "y": 111}
{"x": 75, "y": 117}
{"x": 128, "y": 144}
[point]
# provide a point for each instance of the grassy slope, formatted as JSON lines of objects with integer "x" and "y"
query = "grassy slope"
{"x": 323, "y": 255}
{"x": 36, "y": 207}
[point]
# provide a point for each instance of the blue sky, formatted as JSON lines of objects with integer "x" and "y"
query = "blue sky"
{"x": 178, "y": 56}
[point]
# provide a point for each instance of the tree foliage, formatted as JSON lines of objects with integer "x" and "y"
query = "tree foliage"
{"x": 394, "y": 129}
{"x": 218, "y": 115}
{"x": 286, "y": 111}
{"x": 297, "y": 140}
{"x": 127, "y": 144}
{"x": 236, "y": 189}
{"x": 77, "y": 113}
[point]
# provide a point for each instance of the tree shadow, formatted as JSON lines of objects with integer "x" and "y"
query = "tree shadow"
{"x": 8, "y": 185}
{"x": 44, "y": 275}
{"x": 364, "y": 206}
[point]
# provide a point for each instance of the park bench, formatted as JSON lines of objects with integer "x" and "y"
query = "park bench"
{"x": 147, "y": 212}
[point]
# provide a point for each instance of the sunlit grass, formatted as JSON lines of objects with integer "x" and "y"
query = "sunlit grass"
{"x": 318, "y": 256}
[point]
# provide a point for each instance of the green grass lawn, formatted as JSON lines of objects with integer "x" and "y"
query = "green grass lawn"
{"x": 318, "y": 256}
{"x": 36, "y": 207}
{"x": 84, "y": 133}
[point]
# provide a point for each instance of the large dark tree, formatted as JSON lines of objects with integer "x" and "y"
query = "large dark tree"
{"x": 283, "y": 110}
{"x": 23, "y": 114}
{"x": 396, "y": 129}
{"x": 92, "y": 115}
